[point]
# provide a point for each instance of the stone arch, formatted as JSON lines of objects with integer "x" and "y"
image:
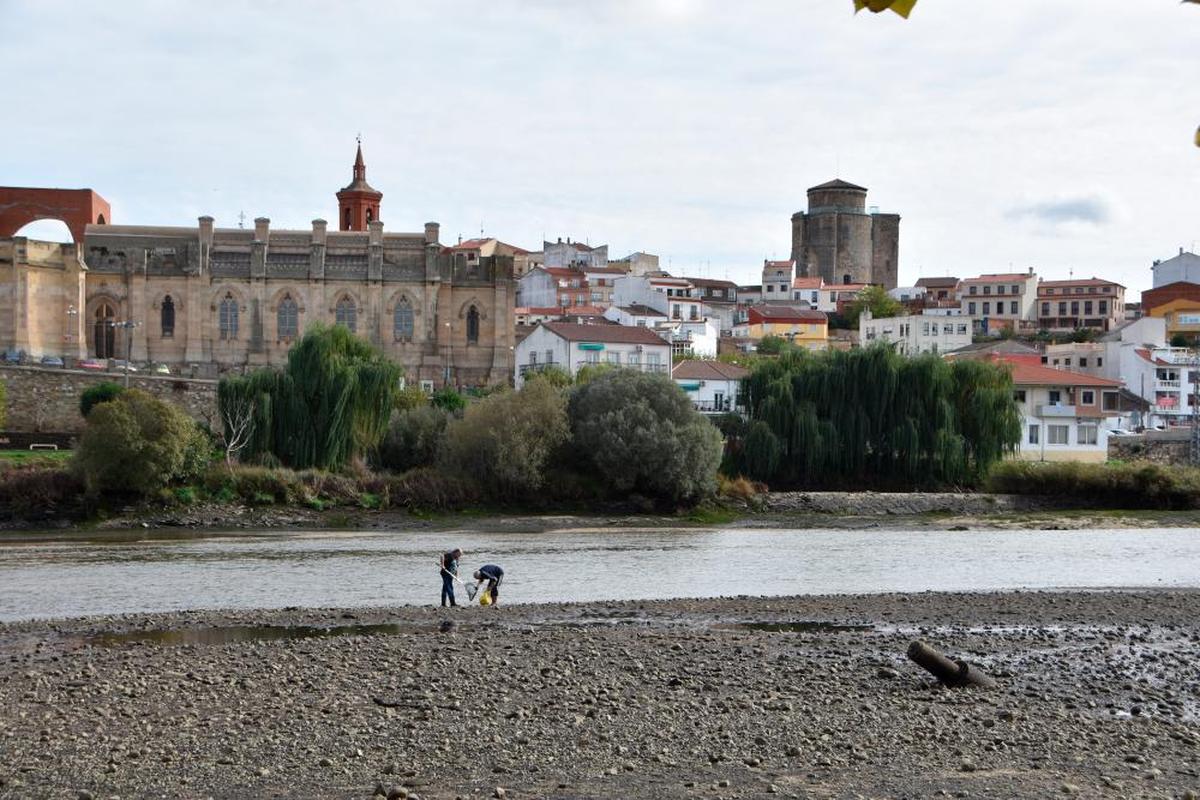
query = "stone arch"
{"x": 480, "y": 308}
{"x": 77, "y": 208}
{"x": 219, "y": 292}
{"x": 296, "y": 294}
{"x": 101, "y": 311}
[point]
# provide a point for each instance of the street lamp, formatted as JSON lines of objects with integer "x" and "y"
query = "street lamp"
{"x": 449, "y": 350}
{"x": 128, "y": 325}
{"x": 72, "y": 315}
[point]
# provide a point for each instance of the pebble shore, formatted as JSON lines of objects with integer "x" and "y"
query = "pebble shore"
{"x": 806, "y": 697}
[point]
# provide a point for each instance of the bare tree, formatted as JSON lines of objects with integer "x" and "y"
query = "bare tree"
{"x": 237, "y": 427}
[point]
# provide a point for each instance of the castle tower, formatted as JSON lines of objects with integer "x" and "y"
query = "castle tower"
{"x": 358, "y": 203}
{"x": 840, "y": 241}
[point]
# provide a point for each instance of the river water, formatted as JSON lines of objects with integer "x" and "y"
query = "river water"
{"x": 49, "y": 576}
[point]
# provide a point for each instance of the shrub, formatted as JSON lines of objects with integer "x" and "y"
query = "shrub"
{"x": 413, "y": 439}
{"x": 255, "y": 485}
{"x": 38, "y": 491}
{"x": 429, "y": 489}
{"x": 1137, "y": 485}
{"x": 139, "y": 444}
{"x": 100, "y": 393}
{"x": 641, "y": 433}
{"x": 448, "y": 400}
{"x": 555, "y": 376}
{"x": 504, "y": 442}
{"x": 739, "y": 488}
{"x": 410, "y": 397}
{"x": 3, "y": 404}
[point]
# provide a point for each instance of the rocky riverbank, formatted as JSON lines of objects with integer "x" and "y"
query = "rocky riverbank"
{"x": 1099, "y": 696}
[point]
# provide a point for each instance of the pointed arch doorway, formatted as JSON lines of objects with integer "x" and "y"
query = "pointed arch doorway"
{"x": 105, "y": 333}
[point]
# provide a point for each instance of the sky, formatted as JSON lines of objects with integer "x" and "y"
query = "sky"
{"x": 1008, "y": 134}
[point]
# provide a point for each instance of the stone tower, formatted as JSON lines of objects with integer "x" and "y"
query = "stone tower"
{"x": 839, "y": 241}
{"x": 358, "y": 203}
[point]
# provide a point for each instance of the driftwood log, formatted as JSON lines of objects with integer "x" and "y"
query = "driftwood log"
{"x": 956, "y": 674}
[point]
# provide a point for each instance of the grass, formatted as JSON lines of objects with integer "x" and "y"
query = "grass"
{"x": 24, "y": 457}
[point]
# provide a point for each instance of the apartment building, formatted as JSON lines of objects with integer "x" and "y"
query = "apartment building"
{"x": 1066, "y": 416}
{"x": 1000, "y": 300}
{"x": 777, "y": 280}
{"x": 1073, "y": 304}
{"x": 571, "y": 346}
{"x": 916, "y": 334}
{"x": 802, "y": 326}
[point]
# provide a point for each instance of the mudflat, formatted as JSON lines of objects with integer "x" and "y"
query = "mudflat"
{"x": 1098, "y": 696}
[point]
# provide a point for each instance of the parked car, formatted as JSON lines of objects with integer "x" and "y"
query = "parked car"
{"x": 160, "y": 369}
{"x": 51, "y": 361}
{"x": 12, "y": 356}
{"x": 121, "y": 365}
{"x": 1121, "y": 432}
{"x": 91, "y": 363}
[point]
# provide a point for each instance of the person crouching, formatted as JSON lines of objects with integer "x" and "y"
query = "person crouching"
{"x": 493, "y": 575}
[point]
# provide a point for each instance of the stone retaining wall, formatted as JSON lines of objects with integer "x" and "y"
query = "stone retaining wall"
{"x": 42, "y": 399}
{"x": 891, "y": 503}
{"x": 1169, "y": 452}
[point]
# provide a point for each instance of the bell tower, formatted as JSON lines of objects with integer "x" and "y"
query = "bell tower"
{"x": 358, "y": 203}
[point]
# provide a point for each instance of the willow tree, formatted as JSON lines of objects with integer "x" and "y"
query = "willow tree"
{"x": 329, "y": 404}
{"x": 874, "y": 418}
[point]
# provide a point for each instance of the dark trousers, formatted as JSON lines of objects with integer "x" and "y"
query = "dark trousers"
{"x": 493, "y": 586}
{"x": 447, "y": 588}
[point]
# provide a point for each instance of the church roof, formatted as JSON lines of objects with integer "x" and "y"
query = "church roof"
{"x": 838, "y": 183}
{"x": 359, "y": 184}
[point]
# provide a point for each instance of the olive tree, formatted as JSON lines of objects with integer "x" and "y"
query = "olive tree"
{"x": 640, "y": 433}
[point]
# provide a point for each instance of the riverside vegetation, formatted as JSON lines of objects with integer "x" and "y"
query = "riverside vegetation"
{"x": 333, "y": 428}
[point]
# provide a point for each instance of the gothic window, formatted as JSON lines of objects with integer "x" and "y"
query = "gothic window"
{"x": 347, "y": 216}
{"x": 346, "y": 313}
{"x": 168, "y": 317}
{"x": 472, "y": 325}
{"x": 402, "y": 321}
{"x": 227, "y": 317}
{"x": 105, "y": 333}
{"x": 287, "y": 318}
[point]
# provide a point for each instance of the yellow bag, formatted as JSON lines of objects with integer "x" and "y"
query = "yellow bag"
{"x": 485, "y": 599}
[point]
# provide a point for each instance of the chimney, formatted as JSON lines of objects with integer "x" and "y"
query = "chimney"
{"x": 432, "y": 231}
{"x": 262, "y": 229}
{"x": 319, "y": 227}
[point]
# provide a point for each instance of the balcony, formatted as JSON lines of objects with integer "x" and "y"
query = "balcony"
{"x": 709, "y": 407}
{"x": 1056, "y": 411}
{"x": 525, "y": 369}
{"x": 1167, "y": 385}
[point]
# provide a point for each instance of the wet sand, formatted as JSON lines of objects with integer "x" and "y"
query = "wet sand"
{"x": 1099, "y": 696}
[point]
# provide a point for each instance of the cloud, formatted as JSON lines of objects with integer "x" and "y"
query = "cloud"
{"x": 1085, "y": 210}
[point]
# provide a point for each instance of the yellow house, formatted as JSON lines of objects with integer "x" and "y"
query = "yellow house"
{"x": 1182, "y": 316}
{"x": 803, "y": 327}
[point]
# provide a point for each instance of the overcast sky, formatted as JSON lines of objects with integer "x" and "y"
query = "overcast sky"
{"x": 1007, "y": 133}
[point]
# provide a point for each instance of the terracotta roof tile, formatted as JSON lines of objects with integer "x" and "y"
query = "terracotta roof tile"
{"x": 709, "y": 371}
{"x": 617, "y": 334}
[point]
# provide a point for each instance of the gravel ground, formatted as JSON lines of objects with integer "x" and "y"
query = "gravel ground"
{"x": 1099, "y": 696}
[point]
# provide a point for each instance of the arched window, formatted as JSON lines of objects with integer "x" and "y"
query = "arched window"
{"x": 287, "y": 318}
{"x": 472, "y": 325}
{"x": 105, "y": 332}
{"x": 346, "y": 313}
{"x": 168, "y": 317}
{"x": 227, "y": 317}
{"x": 845, "y": 279}
{"x": 370, "y": 215}
{"x": 347, "y": 225}
{"x": 402, "y": 321}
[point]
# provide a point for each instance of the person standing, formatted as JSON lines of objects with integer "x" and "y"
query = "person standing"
{"x": 449, "y": 572}
{"x": 493, "y": 575}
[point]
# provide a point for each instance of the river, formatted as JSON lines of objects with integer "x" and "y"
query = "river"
{"x": 52, "y": 575}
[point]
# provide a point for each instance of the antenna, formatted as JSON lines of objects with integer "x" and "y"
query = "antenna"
{"x": 241, "y": 219}
{"x": 358, "y": 137}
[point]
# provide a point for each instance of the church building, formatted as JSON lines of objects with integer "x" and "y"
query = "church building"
{"x": 218, "y": 299}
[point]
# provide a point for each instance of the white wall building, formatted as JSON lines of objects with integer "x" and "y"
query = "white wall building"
{"x": 672, "y": 296}
{"x": 570, "y": 254}
{"x": 916, "y": 334}
{"x": 570, "y": 346}
{"x": 1183, "y": 268}
{"x": 712, "y": 386}
{"x": 1000, "y": 300}
{"x": 1066, "y": 416}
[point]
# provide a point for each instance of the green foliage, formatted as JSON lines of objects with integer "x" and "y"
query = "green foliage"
{"x": 557, "y": 377}
{"x": 874, "y": 418}
{"x": 413, "y": 439}
{"x": 3, "y": 404}
{"x": 1179, "y": 340}
{"x": 428, "y": 489}
{"x": 329, "y": 405}
{"x": 1113, "y": 485}
{"x": 504, "y": 442}
{"x": 139, "y": 444}
{"x": 877, "y": 301}
{"x": 771, "y": 345}
{"x": 590, "y": 372}
{"x": 410, "y": 397}
{"x": 449, "y": 400}
{"x": 97, "y": 394}
{"x": 35, "y": 491}
{"x": 640, "y": 432}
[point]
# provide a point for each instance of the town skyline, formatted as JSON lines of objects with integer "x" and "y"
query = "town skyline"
{"x": 991, "y": 166}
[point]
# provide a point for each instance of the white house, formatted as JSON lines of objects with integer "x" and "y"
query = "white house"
{"x": 1000, "y": 300}
{"x": 1066, "y": 416}
{"x": 1183, "y": 268}
{"x": 672, "y": 296}
{"x": 807, "y": 290}
{"x": 777, "y": 281}
{"x": 569, "y": 346}
{"x": 833, "y": 297}
{"x": 712, "y": 386}
{"x": 915, "y": 334}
